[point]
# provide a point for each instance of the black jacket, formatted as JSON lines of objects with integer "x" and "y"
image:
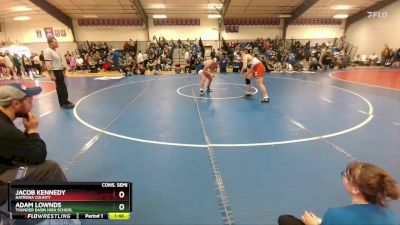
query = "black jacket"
{"x": 18, "y": 147}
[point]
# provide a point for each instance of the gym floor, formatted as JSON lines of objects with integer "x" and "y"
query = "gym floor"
{"x": 224, "y": 158}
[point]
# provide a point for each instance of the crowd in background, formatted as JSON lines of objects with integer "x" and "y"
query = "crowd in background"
{"x": 15, "y": 66}
{"x": 388, "y": 57}
{"x": 158, "y": 57}
{"x": 276, "y": 54}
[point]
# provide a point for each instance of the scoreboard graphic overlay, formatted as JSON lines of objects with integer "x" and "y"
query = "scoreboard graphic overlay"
{"x": 71, "y": 200}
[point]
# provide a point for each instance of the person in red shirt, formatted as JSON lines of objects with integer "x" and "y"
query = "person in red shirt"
{"x": 106, "y": 65}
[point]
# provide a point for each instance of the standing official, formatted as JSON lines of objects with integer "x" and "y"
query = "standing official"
{"x": 56, "y": 72}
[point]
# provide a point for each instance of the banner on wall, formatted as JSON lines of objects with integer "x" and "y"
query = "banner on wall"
{"x": 48, "y": 31}
{"x": 57, "y": 33}
{"x": 63, "y": 33}
{"x": 38, "y": 33}
{"x": 232, "y": 29}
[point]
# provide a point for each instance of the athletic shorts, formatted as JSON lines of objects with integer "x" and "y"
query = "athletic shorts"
{"x": 207, "y": 74}
{"x": 258, "y": 70}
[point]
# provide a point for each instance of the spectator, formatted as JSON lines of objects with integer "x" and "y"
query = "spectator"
{"x": 37, "y": 63}
{"x": 72, "y": 63}
{"x": 179, "y": 42}
{"x": 358, "y": 60}
{"x": 151, "y": 64}
{"x": 22, "y": 148}
{"x": 18, "y": 64}
{"x": 373, "y": 58}
{"x": 345, "y": 60}
{"x": 106, "y": 65}
{"x": 27, "y": 64}
{"x": 187, "y": 57}
{"x": 127, "y": 46}
{"x": 177, "y": 68}
{"x": 2, "y": 65}
{"x": 218, "y": 53}
{"x": 86, "y": 61}
{"x": 140, "y": 60}
{"x": 314, "y": 65}
{"x": 385, "y": 53}
{"x": 396, "y": 62}
{"x": 115, "y": 57}
{"x": 145, "y": 59}
{"x": 9, "y": 65}
{"x": 158, "y": 65}
{"x": 389, "y": 59}
{"x": 212, "y": 54}
{"x": 327, "y": 59}
{"x": 41, "y": 57}
{"x": 67, "y": 56}
{"x": 222, "y": 65}
{"x": 79, "y": 63}
{"x": 370, "y": 188}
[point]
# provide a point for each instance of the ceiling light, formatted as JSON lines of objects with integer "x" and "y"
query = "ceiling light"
{"x": 20, "y": 18}
{"x": 342, "y": 7}
{"x": 20, "y": 8}
{"x": 156, "y": 6}
{"x": 89, "y": 16}
{"x": 159, "y": 16}
{"x": 214, "y": 16}
{"x": 213, "y": 6}
{"x": 340, "y": 16}
{"x": 284, "y": 16}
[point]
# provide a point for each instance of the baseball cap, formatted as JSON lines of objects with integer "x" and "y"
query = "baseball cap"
{"x": 15, "y": 91}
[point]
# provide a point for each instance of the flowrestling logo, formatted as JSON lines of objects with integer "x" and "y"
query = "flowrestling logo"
{"x": 379, "y": 15}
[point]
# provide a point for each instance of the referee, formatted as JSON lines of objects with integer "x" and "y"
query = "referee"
{"x": 55, "y": 69}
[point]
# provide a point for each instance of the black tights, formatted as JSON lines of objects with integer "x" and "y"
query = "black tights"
{"x": 289, "y": 220}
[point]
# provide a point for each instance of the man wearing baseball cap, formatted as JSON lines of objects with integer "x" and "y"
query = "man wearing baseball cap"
{"x": 19, "y": 148}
